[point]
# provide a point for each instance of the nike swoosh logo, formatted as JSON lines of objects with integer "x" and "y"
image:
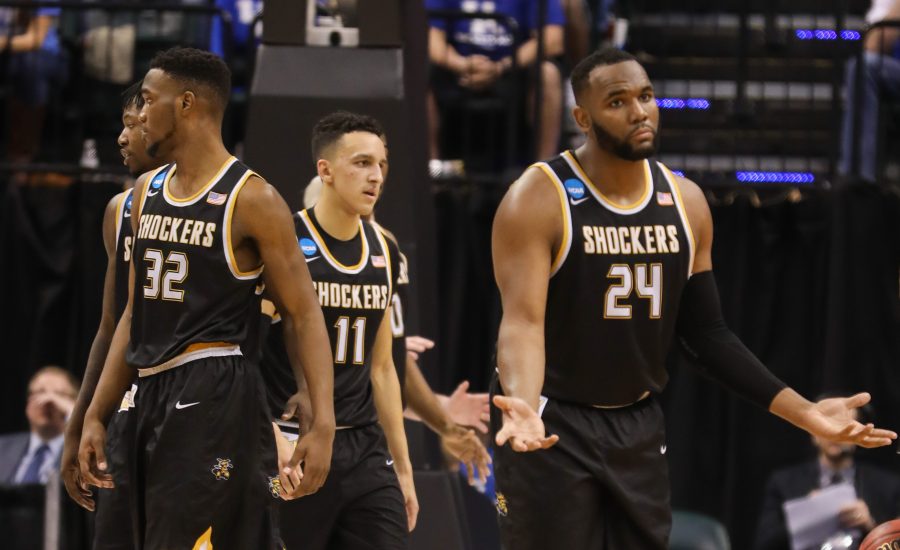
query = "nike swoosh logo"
{"x": 574, "y": 202}
{"x": 179, "y": 406}
{"x": 314, "y": 258}
{"x": 390, "y": 462}
{"x": 152, "y": 193}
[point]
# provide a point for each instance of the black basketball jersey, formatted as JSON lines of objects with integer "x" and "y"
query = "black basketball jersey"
{"x": 124, "y": 244}
{"x": 615, "y": 286}
{"x": 188, "y": 288}
{"x": 400, "y": 270}
{"x": 353, "y": 281}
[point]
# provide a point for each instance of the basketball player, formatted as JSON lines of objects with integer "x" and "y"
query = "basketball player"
{"x": 368, "y": 500}
{"x": 204, "y": 470}
{"x": 420, "y": 401}
{"x": 597, "y": 253}
{"x": 112, "y": 521}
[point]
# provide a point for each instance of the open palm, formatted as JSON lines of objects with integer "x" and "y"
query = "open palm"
{"x": 834, "y": 419}
{"x": 522, "y": 426}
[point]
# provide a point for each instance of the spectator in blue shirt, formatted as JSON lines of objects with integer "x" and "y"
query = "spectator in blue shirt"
{"x": 37, "y": 65}
{"x": 29, "y": 457}
{"x": 475, "y": 54}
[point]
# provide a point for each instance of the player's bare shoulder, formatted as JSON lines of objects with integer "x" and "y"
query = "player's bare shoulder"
{"x": 695, "y": 205}
{"x": 531, "y": 206}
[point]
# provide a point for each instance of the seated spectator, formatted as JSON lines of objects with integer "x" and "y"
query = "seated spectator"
{"x": 877, "y": 491}
{"x": 880, "y": 78}
{"x": 476, "y": 54}
{"x": 30, "y": 457}
{"x": 37, "y": 65}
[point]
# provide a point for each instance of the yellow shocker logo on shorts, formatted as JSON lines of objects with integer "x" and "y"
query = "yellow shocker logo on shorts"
{"x": 222, "y": 470}
{"x": 501, "y": 505}
{"x": 275, "y": 486}
{"x": 205, "y": 541}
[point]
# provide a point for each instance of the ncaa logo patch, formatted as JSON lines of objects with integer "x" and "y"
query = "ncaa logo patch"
{"x": 158, "y": 180}
{"x": 128, "y": 206}
{"x": 308, "y": 246}
{"x": 574, "y": 188}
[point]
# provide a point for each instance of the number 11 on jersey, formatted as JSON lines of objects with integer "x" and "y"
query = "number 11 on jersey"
{"x": 343, "y": 336}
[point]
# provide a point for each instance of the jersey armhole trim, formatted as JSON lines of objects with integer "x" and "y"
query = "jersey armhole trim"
{"x": 565, "y": 245}
{"x": 387, "y": 261}
{"x": 120, "y": 208}
{"x": 230, "y": 258}
{"x": 682, "y": 213}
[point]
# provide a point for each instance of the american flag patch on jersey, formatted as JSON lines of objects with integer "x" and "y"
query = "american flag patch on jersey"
{"x": 378, "y": 261}
{"x": 664, "y": 199}
{"x": 216, "y": 198}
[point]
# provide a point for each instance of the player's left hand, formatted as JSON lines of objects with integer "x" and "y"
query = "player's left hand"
{"x": 70, "y": 471}
{"x": 410, "y": 501}
{"x": 314, "y": 451}
{"x": 522, "y": 426}
{"x": 857, "y": 515}
{"x": 468, "y": 409}
{"x": 465, "y": 446}
{"x": 833, "y": 419}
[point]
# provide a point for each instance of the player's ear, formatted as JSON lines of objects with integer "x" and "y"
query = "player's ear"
{"x": 188, "y": 100}
{"x": 323, "y": 168}
{"x": 582, "y": 118}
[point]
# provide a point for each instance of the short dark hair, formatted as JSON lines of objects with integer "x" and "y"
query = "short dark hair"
{"x": 195, "y": 67}
{"x": 604, "y": 56}
{"x": 332, "y": 127}
{"x": 132, "y": 97}
{"x": 59, "y": 371}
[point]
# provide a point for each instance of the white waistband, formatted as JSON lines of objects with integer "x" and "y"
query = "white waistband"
{"x": 177, "y": 361}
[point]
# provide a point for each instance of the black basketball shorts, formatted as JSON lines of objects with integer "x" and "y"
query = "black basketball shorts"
{"x": 360, "y": 506}
{"x": 203, "y": 466}
{"x": 603, "y": 486}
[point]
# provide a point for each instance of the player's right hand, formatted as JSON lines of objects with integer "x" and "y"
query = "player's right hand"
{"x": 522, "y": 426}
{"x": 70, "y": 471}
{"x": 314, "y": 451}
{"x": 92, "y": 455}
{"x": 410, "y": 500}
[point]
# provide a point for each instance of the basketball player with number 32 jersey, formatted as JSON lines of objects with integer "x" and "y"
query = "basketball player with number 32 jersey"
{"x": 204, "y": 471}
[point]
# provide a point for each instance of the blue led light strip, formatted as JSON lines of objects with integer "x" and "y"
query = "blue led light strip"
{"x": 826, "y": 34}
{"x": 696, "y": 103}
{"x": 776, "y": 177}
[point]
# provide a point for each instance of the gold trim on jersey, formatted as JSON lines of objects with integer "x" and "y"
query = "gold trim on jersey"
{"x": 387, "y": 259}
{"x": 632, "y": 208}
{"x": 682, "y": 213}
{"x": 204, "y": 542}
{"x": 120, "y": 207}
{"x": 349, "y": 269}
{"x": 226, "y": 232}
{"x": 143, "y": 197}
{"x": 566, "y": 244}
{"x": 174, "y": 201}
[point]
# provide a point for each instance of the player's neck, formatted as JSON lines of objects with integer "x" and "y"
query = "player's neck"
{"x": 197, "y": 162}
{"x": 335, "y": 219}
{"x": 612, "y": 175}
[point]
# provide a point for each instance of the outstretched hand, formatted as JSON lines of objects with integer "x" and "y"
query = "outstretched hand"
{"x": 465, "y": 446}
{"x": 834, "y": 419}
{"x": 468, "y": 409}
{"x": 522, "y": 426}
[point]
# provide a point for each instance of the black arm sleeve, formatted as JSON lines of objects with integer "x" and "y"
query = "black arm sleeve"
{"x": 718, "y": 351}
